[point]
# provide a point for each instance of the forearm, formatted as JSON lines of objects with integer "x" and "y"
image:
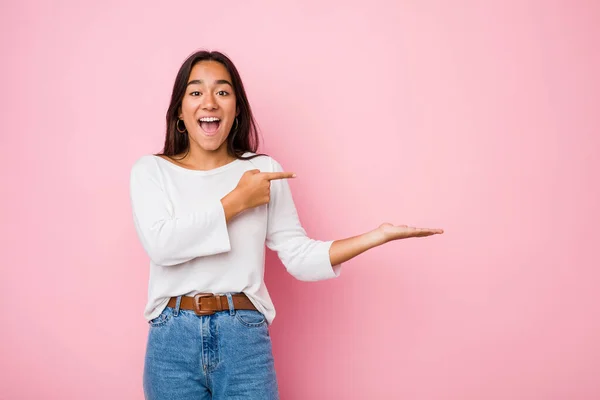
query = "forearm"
{"x": 346, "y": 249}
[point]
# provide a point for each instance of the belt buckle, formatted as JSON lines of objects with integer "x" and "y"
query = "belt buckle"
{"x": 197, "y": 304}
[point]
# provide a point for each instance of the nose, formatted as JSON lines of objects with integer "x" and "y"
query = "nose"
{"x": 208, "y": 102}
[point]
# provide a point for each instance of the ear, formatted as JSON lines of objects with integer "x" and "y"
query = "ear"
{"x": 179, "y": 113}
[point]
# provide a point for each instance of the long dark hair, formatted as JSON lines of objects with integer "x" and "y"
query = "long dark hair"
{"x": 244, "y": 135}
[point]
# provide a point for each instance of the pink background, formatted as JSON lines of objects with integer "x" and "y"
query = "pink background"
{"x": 480, "y": 118}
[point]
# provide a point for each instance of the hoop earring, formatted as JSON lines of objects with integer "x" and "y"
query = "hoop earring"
{"x": 236, "y": 124}
{"x": 177, "y": 126}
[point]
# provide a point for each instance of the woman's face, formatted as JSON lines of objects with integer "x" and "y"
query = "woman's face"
{"x": 208, "y": 107}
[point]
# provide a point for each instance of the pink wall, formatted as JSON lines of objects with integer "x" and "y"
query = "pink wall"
{"x": 478, "y": 118}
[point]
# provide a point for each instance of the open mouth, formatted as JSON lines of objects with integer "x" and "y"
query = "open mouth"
{"x": 209, "y": 124}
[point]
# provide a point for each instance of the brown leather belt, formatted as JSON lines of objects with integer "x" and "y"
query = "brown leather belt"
{"x": 209, "y": 303}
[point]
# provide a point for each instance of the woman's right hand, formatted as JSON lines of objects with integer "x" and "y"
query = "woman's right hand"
{"x": 254, "y": 187}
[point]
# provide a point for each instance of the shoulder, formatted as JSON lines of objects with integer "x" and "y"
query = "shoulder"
{"x": 264, "y": 163}
{"x": 146, "y": 164}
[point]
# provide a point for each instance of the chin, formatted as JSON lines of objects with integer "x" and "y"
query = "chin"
{"x": 211, "y": 146}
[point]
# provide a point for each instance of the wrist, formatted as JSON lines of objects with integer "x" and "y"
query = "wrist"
{"x": 238, "y": 200}
{"x": 233, "y": 204}
{"x": 376, "y": 237}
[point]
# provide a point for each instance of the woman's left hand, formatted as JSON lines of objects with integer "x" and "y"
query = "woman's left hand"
{"x": 345, "y": 249}
{"x": 391, "y": 232}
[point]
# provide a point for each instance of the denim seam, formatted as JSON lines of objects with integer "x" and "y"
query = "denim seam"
{"x": 217, "y": 338}
{"x": 251, "y": 324}
{"x": 202, "y": 348}
{"x": 160, "y": 320}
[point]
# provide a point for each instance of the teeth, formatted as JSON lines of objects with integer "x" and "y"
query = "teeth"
{"x": 209, "y": 119}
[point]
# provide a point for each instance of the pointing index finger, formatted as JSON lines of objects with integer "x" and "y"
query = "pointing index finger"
{"x": 279, "y": 175}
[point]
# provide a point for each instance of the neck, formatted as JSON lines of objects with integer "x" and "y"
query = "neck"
{"x": 201, "y": 159}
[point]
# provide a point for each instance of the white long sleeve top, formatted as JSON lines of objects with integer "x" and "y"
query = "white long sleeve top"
{"x": 180, "y": 221}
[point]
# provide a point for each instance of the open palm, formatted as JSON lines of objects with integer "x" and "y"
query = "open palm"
{"x": 394, "y": 232}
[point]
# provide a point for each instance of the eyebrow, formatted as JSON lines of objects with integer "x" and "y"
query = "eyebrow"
{"x": 218, "y": 82}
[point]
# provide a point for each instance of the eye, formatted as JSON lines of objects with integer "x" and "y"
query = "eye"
{"x": 222, "y": 93}
{"x": 195, "y": 93}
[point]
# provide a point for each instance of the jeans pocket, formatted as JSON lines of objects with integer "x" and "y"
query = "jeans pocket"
{"x": 250, "y": 318}
{"x": 162, "y": 319}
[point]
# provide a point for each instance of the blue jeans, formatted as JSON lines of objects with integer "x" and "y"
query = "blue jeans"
{"x": 226, "y": 355}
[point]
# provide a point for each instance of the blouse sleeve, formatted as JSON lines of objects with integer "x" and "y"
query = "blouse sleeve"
{"x": 304, "y": 258}
{"x": 168, "y": 238}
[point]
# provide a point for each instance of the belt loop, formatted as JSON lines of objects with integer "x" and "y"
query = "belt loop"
{"x": 177, "y": 305}
{"x": 230, "y": 302}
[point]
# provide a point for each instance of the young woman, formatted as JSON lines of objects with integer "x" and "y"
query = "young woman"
{"x": 204, "y": 209}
